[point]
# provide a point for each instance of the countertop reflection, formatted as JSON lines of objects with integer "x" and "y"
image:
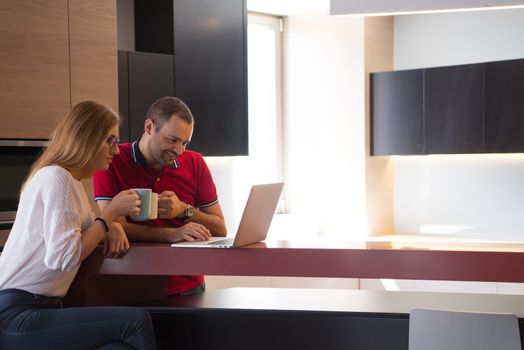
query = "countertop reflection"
{"x": 398, "y": 242}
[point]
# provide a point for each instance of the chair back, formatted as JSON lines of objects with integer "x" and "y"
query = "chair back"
{"x": 457, "y": 330}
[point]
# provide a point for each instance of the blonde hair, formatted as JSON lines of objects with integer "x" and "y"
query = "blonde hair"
{"x": 77, "y": 138}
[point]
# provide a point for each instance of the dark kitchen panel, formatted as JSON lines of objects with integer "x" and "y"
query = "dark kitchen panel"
{"x": 397, "y": 113}
{"x": 123, "y": 95}
{"x": 211, "y": 72}
{"x": 150, "y": 77}
{"x": 504, "y": 122}
{"x": 454, "y": 109}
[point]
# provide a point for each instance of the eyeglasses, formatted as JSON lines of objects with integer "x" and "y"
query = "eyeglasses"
{"x": 112, "y": 141}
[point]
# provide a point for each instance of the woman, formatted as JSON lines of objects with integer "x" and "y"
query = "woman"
{"x": 53, "y": 233}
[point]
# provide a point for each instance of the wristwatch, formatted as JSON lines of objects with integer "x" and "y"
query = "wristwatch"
{"x": 188, "y": 212}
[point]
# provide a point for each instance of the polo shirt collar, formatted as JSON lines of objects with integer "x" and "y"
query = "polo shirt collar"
{"x": 138, "y": 156}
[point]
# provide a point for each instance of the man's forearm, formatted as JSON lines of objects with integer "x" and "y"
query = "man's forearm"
{"x": 212, "y": 222}
{"x": 141, "y": 233}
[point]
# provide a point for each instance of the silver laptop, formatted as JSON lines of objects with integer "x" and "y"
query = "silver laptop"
{"x": 255, "y": 222}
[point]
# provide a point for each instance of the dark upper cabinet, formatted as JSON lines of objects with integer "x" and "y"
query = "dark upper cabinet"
{"x": 149, "y": 76}
{"x": 471, "y": 108}
{"x": 453, "y": 109}
{"x": 505, "y": 106}
{"x": 397, "y": 108}
{"x": 208, "y": 40}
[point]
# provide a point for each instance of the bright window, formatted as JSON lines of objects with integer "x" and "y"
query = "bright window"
{"x": 264, "y": 163}
{"x": 264, "y": 90}
{"x": 235, "y": 175}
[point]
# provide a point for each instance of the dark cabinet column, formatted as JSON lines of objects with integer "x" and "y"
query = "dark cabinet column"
{"x": 154, "y": 26}
{"x": 123, "y": 94}
{"x": 454, "y": 107}
{"x": 211, "y": 72}
{"x": 396, "y": 122}
{"x": 505, "y": 106}
{"x": 208, "y": 39}
{"x": 150, "y": 77}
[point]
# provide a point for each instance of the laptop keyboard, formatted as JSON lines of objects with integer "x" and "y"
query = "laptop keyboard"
{"x": 226, "y": 242}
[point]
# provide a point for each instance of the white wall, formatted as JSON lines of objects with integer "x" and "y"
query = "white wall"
{"x": 477, "y": 196}
{"x": 457, "y": 38}
{"x": 341, "y": 7}
{"x": 325, "y": 124}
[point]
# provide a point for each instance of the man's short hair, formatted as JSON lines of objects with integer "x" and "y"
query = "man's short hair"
{"x": 164, "y": 108}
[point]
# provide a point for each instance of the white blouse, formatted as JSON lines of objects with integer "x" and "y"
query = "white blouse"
{"x": 42, "y": 253}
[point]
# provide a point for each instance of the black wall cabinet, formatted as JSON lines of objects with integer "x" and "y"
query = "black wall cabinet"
{"x": 208, "y": 42}
{"x": 123, "y": 94}
{"x": 472, "y": 108}
{"x": 454, "y": 103}
{"x": 154, "y": 26}
{"x": 211, "y": 72}
{"x": 398, "y": 95}
{"x": 505, "y": 106}
{"x": 143, "y": 78}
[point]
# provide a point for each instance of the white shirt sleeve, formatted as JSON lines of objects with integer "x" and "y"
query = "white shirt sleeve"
{"x": 62, "y": 225}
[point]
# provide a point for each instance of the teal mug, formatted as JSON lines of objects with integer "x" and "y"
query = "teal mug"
{"x": 148, "y": 204}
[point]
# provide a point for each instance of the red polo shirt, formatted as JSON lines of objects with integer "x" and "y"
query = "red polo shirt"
{"x": 189, "y": 177}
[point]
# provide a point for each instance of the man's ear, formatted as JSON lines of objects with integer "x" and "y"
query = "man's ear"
{"x": 148, "y": 126}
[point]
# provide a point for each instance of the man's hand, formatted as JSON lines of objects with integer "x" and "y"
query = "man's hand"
{"x": 190, "y": 232}
{"x": 169, "y": 206}
{"x": 115, "y": 241}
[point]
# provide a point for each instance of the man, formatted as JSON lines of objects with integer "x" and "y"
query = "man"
{"x": 188, "y": 207}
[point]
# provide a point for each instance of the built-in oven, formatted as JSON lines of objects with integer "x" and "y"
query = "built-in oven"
{"x": 16, "y": 158}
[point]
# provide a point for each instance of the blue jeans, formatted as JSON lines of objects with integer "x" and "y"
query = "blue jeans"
{"x": 31, "y": 321}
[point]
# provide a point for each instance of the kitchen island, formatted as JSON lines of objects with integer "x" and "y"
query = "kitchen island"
{"x": 147, "y": 263}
